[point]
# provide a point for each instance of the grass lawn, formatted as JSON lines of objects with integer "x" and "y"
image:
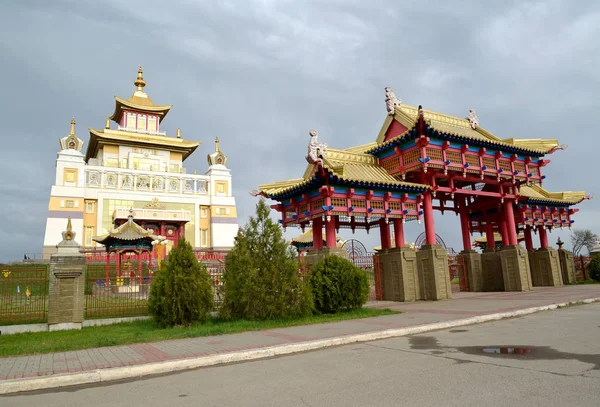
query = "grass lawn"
{"x": 148, "y": 331}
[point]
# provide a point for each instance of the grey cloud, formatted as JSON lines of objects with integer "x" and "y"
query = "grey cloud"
{"x": 260, "y": 74}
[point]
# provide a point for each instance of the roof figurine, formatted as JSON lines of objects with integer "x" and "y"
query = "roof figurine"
{"x": 314, "y": 148}
{"x": 473, "y": 119}
{"x": 391, "y": 101}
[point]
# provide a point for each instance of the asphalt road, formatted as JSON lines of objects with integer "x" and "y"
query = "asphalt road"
{"x": 546, "y": 359}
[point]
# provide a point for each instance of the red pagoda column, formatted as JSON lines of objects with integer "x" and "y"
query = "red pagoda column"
{"x": 464, "y": 225}
{"x": 139, "y": 256}
{"x": 528, "y": 239}
{"x": 317, "y": 230}
{"x": 428, "y": 215}
{"x": 503, "y": 232}
{"x": 543, "y": 237}
{"x": 489, "y": 235}
{"x": 384, "y": 231}
{"x": 511, "y": 228}
{"x": 107, "y": 270}
{"x": 118, "y": 253}
{"x": 330, "y": 233}
{"x": 398, "y": 232}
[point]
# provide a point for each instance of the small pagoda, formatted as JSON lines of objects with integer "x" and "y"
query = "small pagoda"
{"x": 124, "y": 240}
{"x": 305, "y": 241}
{"x": 422, "y": 161}
{"x": 493, "y": 241}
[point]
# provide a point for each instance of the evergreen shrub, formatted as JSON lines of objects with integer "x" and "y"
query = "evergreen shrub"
{"x": 181, "y": 292}
{"x": 594, "y": 268}
{"x": 337, "y": 285}
{"x": 261, "y": 278}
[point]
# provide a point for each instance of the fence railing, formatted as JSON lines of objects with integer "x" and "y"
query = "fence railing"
{"x": 23, "y": 294}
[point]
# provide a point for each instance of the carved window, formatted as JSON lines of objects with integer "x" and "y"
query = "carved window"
{"x": 411, "y": 207}
{"x": 392, "y": 164}
{"x": 395, "y": 206}
{"x": 89, "y": 233}
{"x": 203, "y": 213}
{"x": 141, "y": 123}
{"x": 202, "y": 187}
{"x": 534, "y": 171}
{"x": 152, "y": 123}
{"x": 472, "y": 160}
{"x": 90, "y": 207}
{"x": 358, "y": 203}
{"x": 158, "y": 184}
{"x": 204, "y": 237}
{"x": 317, "y": 204}
{"x": 453, "y": 157}
{"x": 490, "y": 163}
{"x": 173, "y": 184}
{"x": 520, "y": 167}
{"x": 434, "y": 154}
{"x": 143, "y": 182}
{"x": 505, "y": 165}
{"x": 412, "y": 156}
{"x": 377, "y": 205}
{"x": 338, "y": 202}
{"x": 131, "y": 120}
{"x": 69, "y": 203}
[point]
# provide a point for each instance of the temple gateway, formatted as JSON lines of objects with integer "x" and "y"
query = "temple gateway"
{"x": 423, "y": 161}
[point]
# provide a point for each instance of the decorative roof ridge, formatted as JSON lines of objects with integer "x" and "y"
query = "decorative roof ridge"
{"x": 143, "y": 136}
{"x": 131, "y": 103}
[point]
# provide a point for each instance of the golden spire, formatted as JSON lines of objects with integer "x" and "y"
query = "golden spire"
{"x": 107, "y": 122}
{"x": 139, "y": 82}
{"x": 178, "y": 133}
{"x": 217, "y": 149}
{"x": 69, "y": 226}
{"x": 72, "y": 133}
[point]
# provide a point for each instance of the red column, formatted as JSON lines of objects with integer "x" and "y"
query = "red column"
{"x": 511, "y": 227}
{"x": 464, "y": 225}
{"x": 384, "y": 232}
{"x": 489, "y": 235}
{"x": 140, "y": 266}
{"x": 528, "y": 239}
{"x": 543, "y": 237}
{"x": 118, "y": 253}
{"x": 428, "y": 216}
{"x": 162, "y": 228}
{"x": 107, "y": 271}
{"x": 330, "y": 233}
{"x": 398, "y": 232}
{"x": 317, "y": 230}
{"x": 504, "y": 232}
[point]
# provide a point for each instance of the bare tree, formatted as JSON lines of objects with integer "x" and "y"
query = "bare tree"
{"x": 581, "y": 238}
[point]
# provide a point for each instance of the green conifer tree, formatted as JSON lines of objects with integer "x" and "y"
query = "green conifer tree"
{"x": 181, "y": 293}
{"x": 261, "y": 273}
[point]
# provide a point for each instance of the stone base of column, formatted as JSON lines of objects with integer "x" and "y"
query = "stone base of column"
{"x": 491, "y": 271}
{"x": 545, "y": 268}
{"x": 472, "y": 270}
{"x": 67, "y": 297}
{"x": 313, "y": 256}
{"x": 515, "y": 268}
{"x": 399, "y": 276}
{"x": 533, "y": 267}
{"x": 434, "y": 275}
{"x": 567, "y": 266}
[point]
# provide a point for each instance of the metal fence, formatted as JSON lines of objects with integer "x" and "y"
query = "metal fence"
{"x": 23, "y": 294}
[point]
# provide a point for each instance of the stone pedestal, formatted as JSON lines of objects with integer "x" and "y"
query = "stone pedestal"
{"x": 491, "y": 271}
{"x": 434, "y": 276}
{"x": 515, "y": 268}
{"x": 471, "y": 264}
{"x": 545, "y": 268}
{"x": 567, "y": 266}
{"x": 399, "y": 276}
{"x": 67, "y": 285}
{"x": 313, "y": 256}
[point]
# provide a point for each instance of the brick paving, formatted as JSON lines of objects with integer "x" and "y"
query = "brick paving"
{"x": 463, "y": 305}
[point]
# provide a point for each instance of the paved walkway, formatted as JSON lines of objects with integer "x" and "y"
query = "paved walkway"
{"x": 464, "y": 305}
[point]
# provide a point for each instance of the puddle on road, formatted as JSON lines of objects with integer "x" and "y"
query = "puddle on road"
{"x": 455, "y": 331}
{"x": 517, "y": 352}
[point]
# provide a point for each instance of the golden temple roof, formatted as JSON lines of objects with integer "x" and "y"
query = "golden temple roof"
{"x": 456, "y": 126}
{"x": 307, "y": 237}
{"x": 536, "y": 192}
{"x": 122, "y": 137}
{"x": 347, "y": 166}
{"x": 497, "y": 238}
{"x": 127, "y": 231}
{"x": 139, "y": 101}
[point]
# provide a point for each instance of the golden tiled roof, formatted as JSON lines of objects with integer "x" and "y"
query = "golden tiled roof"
{"x": 536, "y": 192}
{"x": 122, "y": 137}
{"x": 127, "y": 231}
{"x": 452, "y": 125}
{"x": 347, "y": 166}
{"x": 139, "y": 101}
{"x": 307, "y": 237}
{"x": 497, "y": 238}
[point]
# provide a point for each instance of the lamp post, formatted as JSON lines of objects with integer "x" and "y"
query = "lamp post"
{"x": 159, "y": 243}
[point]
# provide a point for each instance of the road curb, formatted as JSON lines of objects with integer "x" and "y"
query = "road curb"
{"x": 149, "y": 369}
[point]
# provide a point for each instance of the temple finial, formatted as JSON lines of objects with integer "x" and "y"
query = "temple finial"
{"x": 178, "y": 133}
{"x": 140, "y": 82}
{"x": 69, "y": 225}
{"x": 72, "y": 132}
{"x": 217, "y": 149}
{"x": 107, "y": 123}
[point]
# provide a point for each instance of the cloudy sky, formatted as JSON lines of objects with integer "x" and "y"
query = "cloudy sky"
{"x": 260, "y": 73}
